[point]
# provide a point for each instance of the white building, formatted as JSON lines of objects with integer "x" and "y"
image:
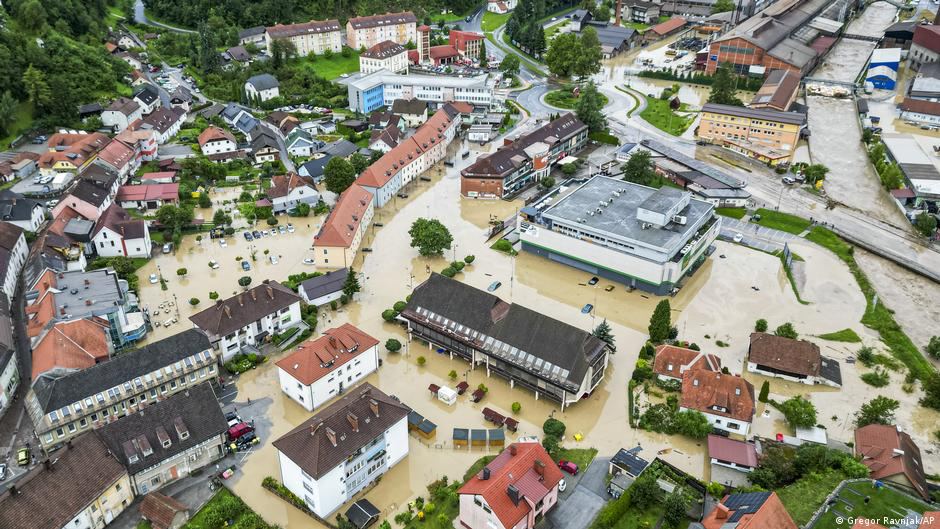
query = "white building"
{"x": 321, "y": 369}
{"x": 343, "y": 448}
{"x": 381, "y": 88}
{"x": 245, "y": 319}
{"x": 164, "y": 122}
{"x": 120, "y": 113}
{"x": 320, "y": 290}
{"x": 9, "y": 368}
{"x": 13, "y": 251}
{"x": 215, "y": 140}
{"x": 26, "y": 213}
{"x": 289, "y": 190}
{"x": 262, "y": 87}
{"x": 314, "y": 37}
{"x": 118, "y": 234}
{"x": 386, "y": 55}
{"x": 500, "y": 6}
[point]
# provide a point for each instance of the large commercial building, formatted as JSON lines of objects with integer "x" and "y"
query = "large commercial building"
{"x": 703, "y": 180}
{"x": 532, "y": 350}
{"x": 645, "y": 238}
{"x": 769, "y": 136}
{"x": 386, "y": 55}
{"x": 523, "y": 161}
{"x": 309, "y": 37}
{"x": 381, "y": 88}
{"x": 365, "y": 32}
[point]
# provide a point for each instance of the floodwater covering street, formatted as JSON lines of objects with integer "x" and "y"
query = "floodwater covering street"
{"x": 754, "y": 280}
{"x": 836, "y": 133}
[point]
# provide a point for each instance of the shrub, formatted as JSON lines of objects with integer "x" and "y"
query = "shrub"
{"x": 457, "y": 265}
{"x": 181, "y": 272}
{"x": 553, "y": 426}
{"x": 516, "y": 407}
{"x": 422, "y": 360}
{"x": 716, "y": 490}
{"x": 392, "y": 345}
{"x": 760, "y": 325}
{"x": 482, "y": 387}
{"x": 272, "y": 221}
{"x": 448, "y": 272}
{"x": 333, "y": 306}
{"x": 389, "y": 314}
{"x": 399, "y": 306}
{"x": 194, "y": 301}
{"x": 787, "y": 331}
{"x": 551, "y": 444}
{"x": 878, "y": 378}
{"x": 866, "y": 355}
{"x": 469, "y": 259}
{"x": 343, "y": 299}
{"x": 213, "y": 295}
{"x": 452, "y": 375}
{"x": 642, "y": 371}
{"x": 503, "y": 245}
{"x": 764, "y": 391}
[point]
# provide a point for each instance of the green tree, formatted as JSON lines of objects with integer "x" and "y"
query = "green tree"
{"x": 724, "y": 84}
{"x": 692, "y": 423}
{"x": 37, "y": 89}
{"x": 174, "y": 218}
{"x": 553, "y": 426}
{"x": 302, "y": 209}
{"x": 221, "y": 218}
{"x": 482, "y": 57}
{"x": 879, "y": 410}
{"x": 422, "y": 360}
{"x": 551, "y": 444}
{"x": 799, "y": 412}
{"x": 351, "y": 285}
{"x": 722, "y": 6}
{"x": 209, "y": 59}
{"x": 933, "y": 347}
{"x": 764, "y": 391}
{"x": 639, "y": 169}
{"x": 359, "y": 162}
{"x": 31, "y": 16}
{"x": 603, "y": 332}
{"x": 787, "y": 331}
{"x": 510, "y": 64}
{"x": 338, "y": 174}
{"x": 430, "y": 237}
{"x": 8, "y": 108}
{"x": 516, "y": 407}
{"x": 931, "y": 392}
{"x": 588, "y": 56}
{"x": 645, "y": 492}
{"x": 815, "y": 172}
{"x": 181, "y": 272}
{"x": 660, "y": 322}
{"x": 569, "y": 169}
{"x": 760, "y": 325}
{"x": 588, "y": 108}
{"x": 547, "y": 182}
{"x": 244, "y": 281}
{"x": 675, "y": 508}
{"x": 602, "y": 13}
{"x": 562, "y": 54}
{"x": 392, "y": 345}
{"x": 925, "y": 223}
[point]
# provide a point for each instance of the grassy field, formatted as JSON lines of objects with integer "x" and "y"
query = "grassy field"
{"x": 22, "y": 120}
{"x": 658, "y": 114}
{"x": 883, "y": 503}
{"x": 552, "y": 31}
{"x": 336, "y": 65}
{"x": 564, "y": 99}
{"x": 208, "y": 517}
{"x": 734, "y": 213}
{"x": 802, "y": 498}
{"x": 645, "y": 519}
{"x": 845, "y": 335}
{"x": 491, "y": 21}
{"x": 782, "y": 221}
{"x": 579, "y": 456}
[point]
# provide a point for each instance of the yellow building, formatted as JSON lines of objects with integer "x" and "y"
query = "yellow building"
{"x": 766, "y": 135}
{"x": 365, "y": 32}
{"x": 338, "y": 241}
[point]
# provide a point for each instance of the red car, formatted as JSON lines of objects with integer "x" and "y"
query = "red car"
{"x": 239, "y": 430}
{"x": 568, "y": 466}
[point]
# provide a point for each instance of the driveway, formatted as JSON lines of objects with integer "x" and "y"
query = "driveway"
{"x": 585, "y": 496}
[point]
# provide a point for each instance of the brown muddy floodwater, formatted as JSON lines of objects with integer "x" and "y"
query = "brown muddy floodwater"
{"x": 718, "y": 301}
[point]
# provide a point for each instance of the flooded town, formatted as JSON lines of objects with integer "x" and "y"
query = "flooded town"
{"x": 485, "y": 265}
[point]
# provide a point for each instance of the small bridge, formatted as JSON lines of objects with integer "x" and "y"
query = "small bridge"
{"x": 869, "y": 38}
{"x": 831, "y": 82}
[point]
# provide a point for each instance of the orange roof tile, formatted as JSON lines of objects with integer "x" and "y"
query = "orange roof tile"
{"x": 717, "y": 394}
{"x": 770, "y": 514}
{"x": 76, "y": 344}
{"x": 887, "y": 452}
{"x": 672, "y": 361}
{"x": 314, "y": 359}
{"x": 343, "y": 222}
{"x": 215, "y": 134}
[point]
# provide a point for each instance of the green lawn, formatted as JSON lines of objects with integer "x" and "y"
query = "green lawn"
{"x": 209, "y": 516}
{"x": 883, "y": 503}
{"x": 645, "y": 519}
{"x": 563, "y": 98}
{"x": 734, "y": 213}
{"x": 336, "y": 65}
{"x": 491, "y": 21}
{"x": 638, "y": 26}
{"x": 782, "y": 221}
{"x": 845, "y": 335}
{"x": 552, "y": 31}
{"x": 658, "y": 114}
{"x": 802, "y": 498}
{"x": 144, "y": 524}
{"x": 579, "y": 456}
{"x": 22, "y": 120}
{"x": 477, "y": 466}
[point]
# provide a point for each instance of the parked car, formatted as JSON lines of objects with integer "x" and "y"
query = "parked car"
{"x": 256, "y": 234}
{"x": 3, "y": 472}
{"x": 273, "y": 259}
{"x": 309, "y": 261}
{"x": 493, "y": 286}
{"x": 562, "y": 485}
{"x": 282, "y": 229}
{"x": 587, "y": 309}
{"x": 738, "y": 237}
{"x": 154, "y": 279}
{"x": 222, "y": 243}
{"x": 246, "y": 266}
{"x": 213, "y": 264}
{"x": 568, "y": 466}
{"x": 290, "y": 228}
{"x": 52, "y": 203}
{"x": 593, "y": 281}
{"x": 787, "y": 180}
{"x": 168, "y": 247}
{"x": 248, "y": 236}
{"x": 239, "y": 430}
{"x": 22, "y": 456}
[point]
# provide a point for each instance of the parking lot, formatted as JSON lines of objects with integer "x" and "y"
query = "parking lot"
{"x": 585, "y": 495}
{"x": 754, "y": 235}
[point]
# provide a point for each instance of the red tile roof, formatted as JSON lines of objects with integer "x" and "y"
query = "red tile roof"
{"x": 785, "y": 354}
{"x": 888, "y": 452}
{"x": 384, "y": 50}
{"x": 160, "y": 509}
{"x": 283, "y": 184}
{"x": 117, "y": 154}
{"x": 927, "y": 36}
{"x": 519, "y": 465}
{"x": 668, "y": 26}
{"x": 342, "y": 223}
{"x": 215, "y": 134}
{"x": 314, "y": 359}
{"x": 444, "y": 51}
{"x": 427, "y": 136}
{"x": 737, "y": 452}
{"x": 76, "y": 344}
{"x": 672, "y": 361}
{"x": 705, "y": 390}
{"x": 170, "y": 192}
{"x": 82, "y": 146}
{"x": 920, "y": 106}
{"x": 770, "y": 514}
{"x": 931, "y": 520}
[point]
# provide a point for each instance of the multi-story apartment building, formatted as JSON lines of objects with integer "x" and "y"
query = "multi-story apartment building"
{"x": 9, "y": 367}
{"x": 386, "y": 55}
{"x": 769, "y": 136}
{"x": 319, "y": 370}
{"x": 337, "y": 242}
{"x": 642, "y": 237}
{"x": 523, "y": 161}
{"x": 540, "y": 353}
{"x": 245, "y": 319}
{"x": 172, "y": 439}
{"x": 64, "y": 405}
{"x": 381, "y": 88}
{"x": 343, "y": 448}
{"x": 70, "y": 153}
{"x": 365, "y": 32}
{"x": 308, "y": 37}
{"x": 13, "y": 252}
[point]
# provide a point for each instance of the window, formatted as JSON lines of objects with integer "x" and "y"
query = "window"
{"x": 71, "y": 427}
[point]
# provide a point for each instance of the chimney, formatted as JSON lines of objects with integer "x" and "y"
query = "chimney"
{"x": 512, "y": 449}
{"x": 486, "y": 473}
{"x": 254, "y": 295}
{"x": 514, "y": 494}
{"x": 332, "y": 436}
{"x": 721, "y": 512}
{"x": 353, "y": 421}
{"x": 48, "y": 464}
{"x": 332, "y": 341}
{"x": 228, "y": 311}
{"x": 270, "y": 292}
{"x": 539, "y": 468}
{"x": 240, "y": 301}
{"x": 374, "y": 406}
{"x": 218, "y": 302}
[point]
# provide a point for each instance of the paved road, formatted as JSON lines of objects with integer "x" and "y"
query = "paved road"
{"x": 174, "y": 150}
{"x": 140, "y": 17}
{"x": 581, "y": 502}
{"x": 755, "y": 236}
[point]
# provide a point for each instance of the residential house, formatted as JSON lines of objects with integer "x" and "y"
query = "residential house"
{"x": 240, "y": 119}
{"x": 385, "y": 55}
{"x": 340, "y": 235}
{"x": 343, "y": 448}
{"x": 323, "y": 289}
{"x": 414, "y": 112}
{"x": 793, "y": 360}
{"x": 365, "y": 32}
{"x": 159, "y": 177}
{"x": 246, "y": 319}
{"x": 62, "y": 406}
{"x": 215, "y": 141}
{"x": 17, "y": 165}
{"x": 341, "y": 148}
{"x": 289, "y": 190}
{"x": 727, "y": 401}
{"x": 409, "y": 158}
{"x": 614, "y": 39}
{"x": 237, "y": 54}
{"x": 254, "y": 35}
{"x": 262, "y": 87}
{"x": 314, "y": 167}
{"x": 778, "y": 92}
{"x": 515, "y": 490}
{"x": 148, "y": 97}
{"x": 321, "y": 369}
{"x": 132, "y": 58}
{"x": 88, "y": 198}
{"x": 169, "y": 439}
{"x": 264, "y": 146}
{"x": 731, "y": 460}
{"x": 672, "y": 361}
{"x": 70, "y": 153}
{"x": 627, "y": 462}
{"x": 547, "y": 356}
{"x": 103, "y": 177}
{"x": 165, "y": 122}
{"x": 314, "y": 37}
{"x": 9, "y": 367}
{"x": 82, "y": 486}
{"x": 71, "y": 346}
{"x": 926, "y": 84}
{"x": 181, "y": 98}
{"x": 769, "y": 136}
{"x": 501, "y": 7}
{"x": 639, "y": 12}
{"x": 749, "y": 510}
{"x": 163, "y": 512}
{"x": 300, "y": 143}
{"x": 144, "y": 143}
{"x": 13, "y": 252}
{"x": 26, "y": 213}
{"x": 378, "y": 120}
{"x": 386, "y": 139}
{"x": 89, "y": 110}
{"x": 121, "y": 113}
{"x": 892, "y": 456}
{"x": 118, "y": 234}
{"x": 925, "y": 48}
{"x": 147, "y": 196}
{"x": 120, "y": 158}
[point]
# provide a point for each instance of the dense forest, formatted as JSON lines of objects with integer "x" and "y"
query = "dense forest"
{"x": 248, "y": 13}
{"x": 52, "y": 60}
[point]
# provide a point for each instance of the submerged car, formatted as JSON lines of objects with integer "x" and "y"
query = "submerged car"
{"x": 154, "y": 279}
